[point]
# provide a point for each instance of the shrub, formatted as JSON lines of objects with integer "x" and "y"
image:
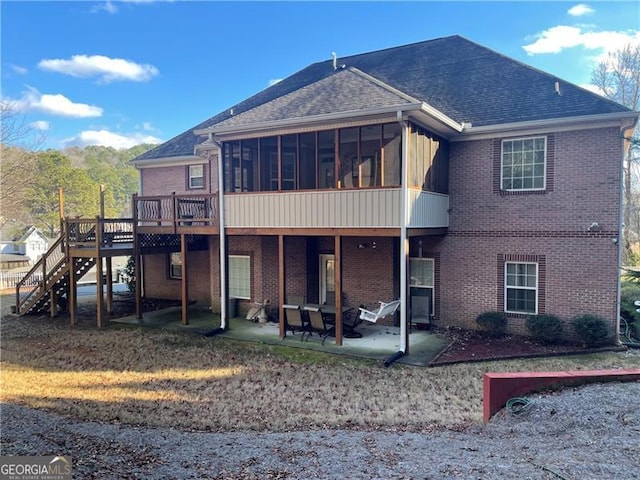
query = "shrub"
{"x": 493, "y": 322}
{"x": 630, "y": 292}
{"x": 592, "y": 330}
{"x": 130, "y": 274}
{"x": 547, "y": 328}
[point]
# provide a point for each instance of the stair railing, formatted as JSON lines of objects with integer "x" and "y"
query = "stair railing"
{"x": 36, "y": 280}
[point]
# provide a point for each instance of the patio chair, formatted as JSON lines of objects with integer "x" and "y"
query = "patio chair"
{"x": 383, "y": 310}
{"x": 293, "y": 320}
{"x": 349, "y": 323}
{"x": 318, "y": 324}
{"x": 295, "y": 299}
{"x": 420, "y": 312}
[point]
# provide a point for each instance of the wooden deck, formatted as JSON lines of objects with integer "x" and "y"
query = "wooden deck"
{"x": 177, "y": 214}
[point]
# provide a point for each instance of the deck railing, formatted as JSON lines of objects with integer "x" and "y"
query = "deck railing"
{"x": 86, "y": 232}
{"x": 176, "y": 210}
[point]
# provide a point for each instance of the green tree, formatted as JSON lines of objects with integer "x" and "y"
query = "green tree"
{"x": 81, "y": 194}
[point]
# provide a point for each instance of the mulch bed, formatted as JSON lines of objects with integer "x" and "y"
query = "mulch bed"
{"x": 474, "y": 346}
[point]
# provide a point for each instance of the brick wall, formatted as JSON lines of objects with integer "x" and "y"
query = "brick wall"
{"x": 164, "y": 180}
{"x": 580, "y": 264}
{"x": 157, "y": 283}
{"x": 486, "y": 225}
{"x": 586, "y": 181}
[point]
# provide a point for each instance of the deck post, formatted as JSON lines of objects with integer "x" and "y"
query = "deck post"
{"x": 137, "y": 258}
{"x": 185, "y": 280}
{"x": 99, "y": 272}
{"x": 337, "y": 275}
{"x": 109, "y": 266}
{"x": 53, "y": 297}
{"x": 73, "y": 291}
{"x": 281, "y": 287}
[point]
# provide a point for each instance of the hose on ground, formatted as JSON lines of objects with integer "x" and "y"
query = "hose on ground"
{"x": 518, "y": 405}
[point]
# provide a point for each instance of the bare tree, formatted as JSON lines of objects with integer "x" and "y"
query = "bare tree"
{"x": 618, "y": 78}
{"x": 18, "y": 141}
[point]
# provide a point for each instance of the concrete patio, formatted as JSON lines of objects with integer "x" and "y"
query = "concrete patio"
{"x": 378, "y": 342}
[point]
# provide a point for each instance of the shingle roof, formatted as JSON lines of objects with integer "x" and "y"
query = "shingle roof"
{"x": 346, "y": 91}
{"x": 465, "y": 81}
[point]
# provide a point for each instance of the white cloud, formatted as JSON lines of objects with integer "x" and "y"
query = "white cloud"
{"x": 107, "y": 69}
{"x": 107, "y": 6}
{"x": 580, "y": 10}
{"x": 274, "y": 81}
{"x": 57, "y": 105}
{"x": 41, "y": 125}
{"x": 109, "y": 139}
{"x": 110, "y": 6}
{"x": 561, "y": 37}
{"x": 19, "y": 70}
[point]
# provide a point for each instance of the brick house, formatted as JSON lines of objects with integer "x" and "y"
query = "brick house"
{"x": 440, "y": 169}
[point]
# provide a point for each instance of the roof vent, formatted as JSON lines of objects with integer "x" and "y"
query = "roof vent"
{"x": 557, "y": 88}
{"x": 335, "y": 60}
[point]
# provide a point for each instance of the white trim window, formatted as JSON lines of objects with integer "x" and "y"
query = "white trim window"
{"x": 196, "y": 176}
{"x": 523, "y": 164}
{"x": 240, "y": 276}
{"x": 421, "y": 281}
{"x": 521, "y": 287}
{"x": 175, "y": 265}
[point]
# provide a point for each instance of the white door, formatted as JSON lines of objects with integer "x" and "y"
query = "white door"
{"x": 327, "y": 284}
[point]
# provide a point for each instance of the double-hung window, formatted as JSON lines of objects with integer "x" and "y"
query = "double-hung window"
{"x": 196, "y": 176}
{"x": 175, "y": 265}
{"x": 523, "y": 164}
{"x": 240, "y": 276}
{"x": 521, "y": 287}
{"x": 422, "y": 278}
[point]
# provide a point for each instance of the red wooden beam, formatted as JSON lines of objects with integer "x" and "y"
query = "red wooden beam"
{"x": 500, "y": 387}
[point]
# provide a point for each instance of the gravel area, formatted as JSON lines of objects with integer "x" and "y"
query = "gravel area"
{"x": 590, "y": 432}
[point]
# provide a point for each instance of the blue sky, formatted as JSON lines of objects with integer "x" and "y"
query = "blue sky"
{"x": 120, "y": 73}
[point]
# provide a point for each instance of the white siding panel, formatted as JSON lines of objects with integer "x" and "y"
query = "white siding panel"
{"x": 428, "y": 210}
{"x": 366, "y": 208}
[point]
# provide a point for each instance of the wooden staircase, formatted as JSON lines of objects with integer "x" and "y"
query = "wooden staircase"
{"x": 49, "y": 280}
{"x": 82, "y": 244}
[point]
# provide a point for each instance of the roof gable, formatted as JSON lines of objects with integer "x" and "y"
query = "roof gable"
{"x": 344, "y": 91}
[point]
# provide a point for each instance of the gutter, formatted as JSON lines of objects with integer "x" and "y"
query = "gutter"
{"x": 610, "y": 119}
{"x": 211, "y": 145}
{"x": 415, "y": 106}
{"x": 167, "y": 161}
{"x": 621, "y": 226}
{"x": 223, "y": 241}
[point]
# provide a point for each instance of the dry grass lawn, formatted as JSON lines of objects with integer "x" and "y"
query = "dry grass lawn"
{"x": 158, "y": 378}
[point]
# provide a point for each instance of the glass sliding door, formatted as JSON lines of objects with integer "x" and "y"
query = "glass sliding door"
{"x": 327, "y": 279}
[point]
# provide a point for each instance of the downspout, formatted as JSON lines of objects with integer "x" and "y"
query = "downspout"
{"x": 403, "y": 246}
{"x": 621, "y": 226}
{"x": 223, "y": 258}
